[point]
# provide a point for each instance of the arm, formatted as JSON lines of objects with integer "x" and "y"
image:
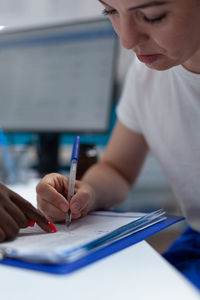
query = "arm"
{"x": 105, "y": 184}
{"x": 113, "y": 176}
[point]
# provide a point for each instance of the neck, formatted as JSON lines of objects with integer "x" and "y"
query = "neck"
{"x": 193, "y": 64}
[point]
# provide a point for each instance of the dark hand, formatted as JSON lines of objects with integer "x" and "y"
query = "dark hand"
{"x": 16, "y": 213}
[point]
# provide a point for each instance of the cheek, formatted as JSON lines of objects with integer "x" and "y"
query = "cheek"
{"x": 177, "y": 37}
{"x": 171, "y": 43}
{"x": 115, "y": 24}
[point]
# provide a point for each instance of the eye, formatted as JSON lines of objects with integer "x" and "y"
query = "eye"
{"x": 155, "y": 20}
{"x": 107, "y": 12}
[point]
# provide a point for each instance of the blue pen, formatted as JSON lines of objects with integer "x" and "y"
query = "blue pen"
{"x": 72, "y": 175}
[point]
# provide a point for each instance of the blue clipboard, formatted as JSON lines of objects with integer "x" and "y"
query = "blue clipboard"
{"x": 66, "y": 268}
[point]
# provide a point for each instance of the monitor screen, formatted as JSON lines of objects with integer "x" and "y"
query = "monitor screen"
{"x": 57, "y": 78}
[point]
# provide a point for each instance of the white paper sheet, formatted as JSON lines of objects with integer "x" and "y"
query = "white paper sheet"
{"x": 35, "y": 245}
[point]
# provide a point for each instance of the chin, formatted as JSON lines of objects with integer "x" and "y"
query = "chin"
{"x": 161, "y": 66}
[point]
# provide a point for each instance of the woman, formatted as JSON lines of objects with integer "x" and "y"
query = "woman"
{"x": 159, "y": 110}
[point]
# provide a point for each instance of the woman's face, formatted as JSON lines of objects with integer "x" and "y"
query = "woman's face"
{"x": 162, "y": 33}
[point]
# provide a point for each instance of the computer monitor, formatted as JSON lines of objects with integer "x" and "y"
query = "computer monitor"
{"x": 57, "y": 79}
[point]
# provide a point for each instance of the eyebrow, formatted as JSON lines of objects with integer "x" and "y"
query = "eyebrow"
{"x": 142, "y": 6}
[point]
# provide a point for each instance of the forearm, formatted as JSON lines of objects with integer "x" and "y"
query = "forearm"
{"x": 118, "y": 169}
{"x": 109, "y": 186}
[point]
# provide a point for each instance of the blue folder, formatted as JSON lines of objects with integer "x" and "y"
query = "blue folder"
{"x": 66, "y": 268}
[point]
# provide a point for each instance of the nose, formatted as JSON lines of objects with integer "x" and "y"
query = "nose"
{"x": 130, "y": 34}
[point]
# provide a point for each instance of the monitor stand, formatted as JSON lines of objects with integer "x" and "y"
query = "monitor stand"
{"x": 47, "y": 151}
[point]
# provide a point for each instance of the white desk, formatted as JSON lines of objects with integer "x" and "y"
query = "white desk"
{"x": 137, "y": 272}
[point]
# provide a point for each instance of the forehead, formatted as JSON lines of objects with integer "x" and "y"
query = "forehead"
{"x": 131, "y": 3}
{"x": 182, "y": 5}
{"x": 150, "y": 3}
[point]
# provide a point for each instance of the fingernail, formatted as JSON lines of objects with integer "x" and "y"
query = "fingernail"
{"x": 76, "y": 216}
{"x": 52, "y": 227}
{"x": 32, "y": 223}
{"x": 76, "y": 207}
{"x": 64, "y": 207}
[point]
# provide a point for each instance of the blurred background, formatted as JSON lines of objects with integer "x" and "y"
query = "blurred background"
{"x": 55, "y": 57}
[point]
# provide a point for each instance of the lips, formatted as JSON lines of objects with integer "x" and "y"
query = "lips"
{"x": 148, "y": 59}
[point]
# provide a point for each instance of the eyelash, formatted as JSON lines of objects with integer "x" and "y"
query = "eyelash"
{"x": 154, "y": 20}
{"x": 109, "y": 12}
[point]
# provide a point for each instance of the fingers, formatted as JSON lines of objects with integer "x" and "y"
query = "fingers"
{"x": 48, "y": 195}
{"x": 51, "y": 212}
{"x": 82, "y": 201}
{"x": 52, "y": 194}
{"x": 37, "y": 216}
{"x": 31, "y": 212}
{"x": 8, "y": 227}
{"x": 2, "y": 235}
{"x": 17, "y": 214}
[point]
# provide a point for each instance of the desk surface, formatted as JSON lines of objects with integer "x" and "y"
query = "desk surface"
{"x": 136, "y": 272}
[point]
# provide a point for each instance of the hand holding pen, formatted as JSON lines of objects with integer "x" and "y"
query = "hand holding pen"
{"x": 54, "y": 189}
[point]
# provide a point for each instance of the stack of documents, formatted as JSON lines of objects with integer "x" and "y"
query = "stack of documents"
{"x": 84, "y": 236}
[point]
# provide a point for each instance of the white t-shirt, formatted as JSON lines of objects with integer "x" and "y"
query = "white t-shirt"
{"x": 165, "y": 107}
